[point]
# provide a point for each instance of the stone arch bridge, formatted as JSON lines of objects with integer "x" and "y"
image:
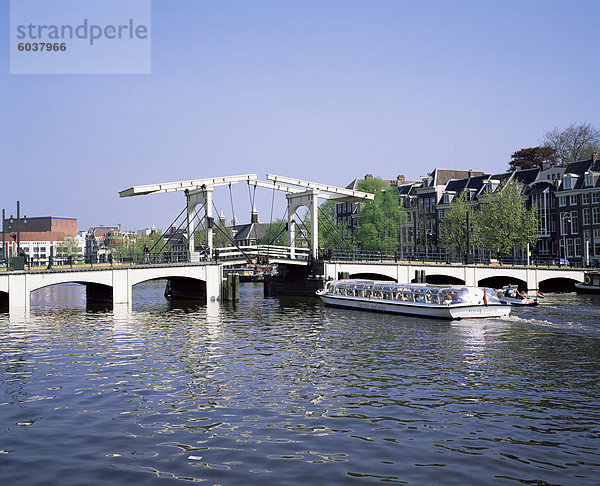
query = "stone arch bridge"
{"x": 114, "y": 284}
{"x": 528, "y": 278}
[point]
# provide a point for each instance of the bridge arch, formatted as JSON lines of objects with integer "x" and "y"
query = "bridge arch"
{"x": 443, "y": 279}
{"x": 558, "y": 284}
{"x": 373, "y": 276}
{"x": 499, "y": 281}
{"x": 84, "y": 278}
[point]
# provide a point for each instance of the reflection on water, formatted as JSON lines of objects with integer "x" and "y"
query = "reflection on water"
{"x": 283, "y": 390}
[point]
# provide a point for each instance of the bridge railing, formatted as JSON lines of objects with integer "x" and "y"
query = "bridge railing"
{"x": 261, "y": 251}
{"x": 437, "y": 258}
{"x": 79, "y": 260}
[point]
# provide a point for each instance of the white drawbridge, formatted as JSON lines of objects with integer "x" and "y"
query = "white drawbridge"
{"x": 299, "y": 193}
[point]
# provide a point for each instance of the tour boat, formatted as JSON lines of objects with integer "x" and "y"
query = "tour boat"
{"x": 423, "y": 300}
{"x": 511, "y": 296}
{"x": 590, "y": 284}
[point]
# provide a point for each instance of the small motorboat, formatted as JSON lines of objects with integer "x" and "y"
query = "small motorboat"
{"x": 511, "y": 296}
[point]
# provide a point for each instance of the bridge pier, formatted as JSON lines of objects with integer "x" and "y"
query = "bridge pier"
{"x": 18, "y": 293}
{"x": 122, "y": 289}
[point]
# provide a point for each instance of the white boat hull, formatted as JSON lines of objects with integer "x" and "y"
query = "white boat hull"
{"x": 525, "y": 302}
{"x": 440, "y": 311}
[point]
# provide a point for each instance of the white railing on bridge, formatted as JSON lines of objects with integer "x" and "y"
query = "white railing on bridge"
{"x": 253, "y": 252}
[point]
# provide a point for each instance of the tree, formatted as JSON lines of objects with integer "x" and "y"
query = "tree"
{"x": 528, "y": 158}
{"x": 372, "y": 186}
{"x": 333, "y": 235}
{"x": 504, "y": 221}
{"x": 222, "y": 235}
{"x": 453, "y": 227}
{"x": 68, "y": 247}
{"x": 576, "y": 142}
{"x": 379, "y": 220}
{"x": 275, "y": 234}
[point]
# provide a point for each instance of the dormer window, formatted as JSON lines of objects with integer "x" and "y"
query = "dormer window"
{"x": 567, "y": 182}
{"x": 447, "y": 198}
{"x": 589, "y": 179}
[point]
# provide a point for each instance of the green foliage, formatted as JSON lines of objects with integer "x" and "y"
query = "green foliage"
{"x": 333, "y": 234}
{"x": 222, "y": 235}
{"x": 453, "y": 227}
{"x": 504, "y": 221}
{"x": 275, "y": 234}
{"x": 380, "y": 219}
{"x": 372, "y": 186}
{"x": 68, "y": 246}
{"x": 133, "y": 245}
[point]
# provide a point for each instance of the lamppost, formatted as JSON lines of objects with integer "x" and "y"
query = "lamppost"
{"x": 468, "y": 256}
{"x": 428, "y": 234}
{"x": 17, "y": 237}
{"x": 565, "y": 218}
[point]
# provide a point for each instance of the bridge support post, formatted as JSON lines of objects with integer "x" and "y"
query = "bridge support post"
{"x": 19, "y": 296}
{"x": 204, "y": 197}
{"x": 122, "y": 290}
{"x": 470, "y": 276}
{"x": 531, "y": 276}
{"x": 310, "y": 200}
{"x": 214, "y": 278}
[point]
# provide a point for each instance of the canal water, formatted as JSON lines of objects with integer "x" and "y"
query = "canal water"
{"x": 286, "y": 391}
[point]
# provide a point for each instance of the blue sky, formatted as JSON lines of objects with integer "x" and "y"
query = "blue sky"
{"x": 319, "y": 90}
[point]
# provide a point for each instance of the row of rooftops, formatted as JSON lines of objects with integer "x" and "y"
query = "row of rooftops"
{"x": 582, "y": 174}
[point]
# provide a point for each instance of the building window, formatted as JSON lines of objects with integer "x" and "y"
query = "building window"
{"x": 597, "y": 242}
{"x": 595, "y": 197}
{"x": 574, "y": 222}
{"x": 567, "y": 183}
{"x": 577, "y": 247}
{"x": 544, "y": 247}
{"x": 586, "y": 216}
{"x": 585, "y": 198}
{"x": 589, "y": 179}
{"x": 562, "y": 201}
{"x": 570, "y": 248}
{"x": 595, "y": 215}
{"x": 573, "y": 200}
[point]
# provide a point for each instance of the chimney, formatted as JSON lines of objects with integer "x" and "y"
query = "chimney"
{"x": 545, "y": 165}
{"x": 254, "y": 216}
{"x": 368, "y": 176}
{"x": 400, "y": 179}
{"x": 594, "y": 157}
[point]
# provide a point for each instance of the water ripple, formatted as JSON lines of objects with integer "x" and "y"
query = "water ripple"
{"x": 288, "y": 392}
